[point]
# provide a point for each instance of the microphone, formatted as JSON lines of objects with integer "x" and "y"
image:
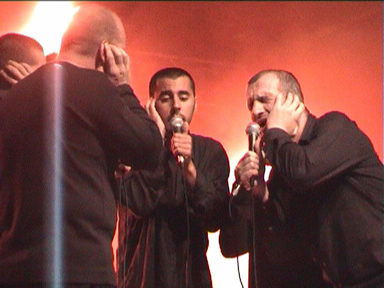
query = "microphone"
{"x": 177, "y": 123}
{"x": 253, "y": 132}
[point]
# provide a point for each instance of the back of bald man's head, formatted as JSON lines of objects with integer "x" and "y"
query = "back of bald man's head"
{"x": 20, "y": 48}
{"x": 91, "y": 25}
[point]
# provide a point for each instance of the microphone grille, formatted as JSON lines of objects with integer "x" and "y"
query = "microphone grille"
{"x": 177, "y": 123}
{"x": 253, "y": 129}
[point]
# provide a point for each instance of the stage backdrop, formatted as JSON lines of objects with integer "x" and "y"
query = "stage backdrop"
{"x": 335, "y": 49}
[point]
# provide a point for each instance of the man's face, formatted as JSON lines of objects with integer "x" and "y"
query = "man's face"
{"x": 261, "y": 97}
{"x": 174, "y": 97}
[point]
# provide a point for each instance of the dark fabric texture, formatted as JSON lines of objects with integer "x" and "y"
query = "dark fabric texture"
{"x": 3, "y": 93}
{"x": 63, "y": 130}
{"x": 154, "y": 230}
{"x": 326, "y": 195}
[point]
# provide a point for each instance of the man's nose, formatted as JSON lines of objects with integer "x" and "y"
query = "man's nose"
{"x": 257, "y": 110}
{"x": 176, "y": 104}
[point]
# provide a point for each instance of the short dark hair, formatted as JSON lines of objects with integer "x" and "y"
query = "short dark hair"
{"x": 170, "y": 72}
{"x": 288, "y": 82}
{"x": 18, "y": 47}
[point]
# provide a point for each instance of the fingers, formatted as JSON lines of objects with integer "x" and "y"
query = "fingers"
{"x": 116, "y": 63}
{"x": 279, "y": 100}
{"x": 299, "y": 110}
{"x": 19, "y": 70}
{"x": 126, "y": 63}
{"x": 100, "y": 58}
{"x": 117, "y": 54}
{"x": 126, "y": 59}
{"x": 102, "y": 51}
{"x": 154, "y": 115}
{"x": 181, "y": 144}
{"x": 248, "y": 167}
{"x": 14, "y": 71}
{"x": 24, "y": 68}
{"x": 292, "y": 104}
{"x": 108, "y": 56}
{"x": 151, "y": 109}
{"x": 122, "y": 171}
{"x": 148, "y": 105}
{"x": 8, "y": 78}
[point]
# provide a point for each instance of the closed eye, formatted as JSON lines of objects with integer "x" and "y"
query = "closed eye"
{"x": 165, "y": 97}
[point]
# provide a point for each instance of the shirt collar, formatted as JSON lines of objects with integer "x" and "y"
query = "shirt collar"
{"x": 308, "y": 132}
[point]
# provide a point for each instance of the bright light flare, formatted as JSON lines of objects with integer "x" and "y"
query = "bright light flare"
{"x": 48, "y": 23}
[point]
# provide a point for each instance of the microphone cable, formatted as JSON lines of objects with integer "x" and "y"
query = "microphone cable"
{"x": 236, "y": 186}
{"x": 253, "y": 252}
{"x": 122, "y": 256}
{"x": 254, "y": 241}
{"x": 188, "y": 224}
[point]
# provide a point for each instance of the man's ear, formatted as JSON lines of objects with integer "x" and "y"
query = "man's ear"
{"x": 195, "y": 106}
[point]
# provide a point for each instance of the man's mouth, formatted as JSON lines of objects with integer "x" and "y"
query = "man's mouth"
{"x": 178, "y": 115}
{"x": 262, "y": 123}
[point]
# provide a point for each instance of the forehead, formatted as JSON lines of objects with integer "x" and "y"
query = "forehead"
{"x": 267, "y": 84}
{"x": 182, "y": 83}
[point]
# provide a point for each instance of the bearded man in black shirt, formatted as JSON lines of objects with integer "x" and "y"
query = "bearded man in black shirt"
{"x": 172, "y": 208}
{"x": 322, "y": 208}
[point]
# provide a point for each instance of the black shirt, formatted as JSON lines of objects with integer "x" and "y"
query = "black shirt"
{"x": 156, "y": 233}
{"x": 333, "y": 185}
{"x": 63, "y": 128}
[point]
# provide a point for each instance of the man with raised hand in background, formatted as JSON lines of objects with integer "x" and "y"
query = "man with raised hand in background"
{"x": 20, "y": 55}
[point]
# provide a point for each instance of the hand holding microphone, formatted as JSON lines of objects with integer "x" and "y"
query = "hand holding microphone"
{"x": 253, "y": 132}
{"x": 181, "y": 141}
{"x": 248, "y": 168}
{"x": 177, "y": 124}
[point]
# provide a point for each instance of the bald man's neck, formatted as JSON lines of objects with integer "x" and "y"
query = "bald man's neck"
{"x": 77, "y": 59}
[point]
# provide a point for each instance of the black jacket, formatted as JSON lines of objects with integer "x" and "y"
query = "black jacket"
{"x": 63, "y": 130}
{"x": 325, "y": 209}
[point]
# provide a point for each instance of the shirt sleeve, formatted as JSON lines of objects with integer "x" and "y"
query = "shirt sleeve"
{"x": 210, "y": 194}
{"x": 234, "y": 234}
{"x": 143, "y": 189}
{"x": 125, "y": 125}
{"x": 335, "y": 147}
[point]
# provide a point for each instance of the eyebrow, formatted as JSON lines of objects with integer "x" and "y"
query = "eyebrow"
{"x": 182, "y": 92}
{"x": 169, "y": 92}
{"x": 165, "y": 92}
{"x": 264, "y": 95}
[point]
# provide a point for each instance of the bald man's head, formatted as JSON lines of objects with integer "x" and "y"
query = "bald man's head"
{"x": 91, "y": 25}
{"x": 20, "y": 48}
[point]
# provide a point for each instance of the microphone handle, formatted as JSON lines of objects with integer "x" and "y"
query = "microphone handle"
{"x": 251, "y": 147}
{"x": 180, "y": 158}
{"x": 251, "y": 142}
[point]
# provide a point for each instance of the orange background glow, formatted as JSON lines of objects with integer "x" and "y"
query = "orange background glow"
{"x": 335, "y": 49}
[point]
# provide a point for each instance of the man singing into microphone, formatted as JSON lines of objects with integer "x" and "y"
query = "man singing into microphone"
{"x": 322, "y": 208}
{"x": 166, "y": 245}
